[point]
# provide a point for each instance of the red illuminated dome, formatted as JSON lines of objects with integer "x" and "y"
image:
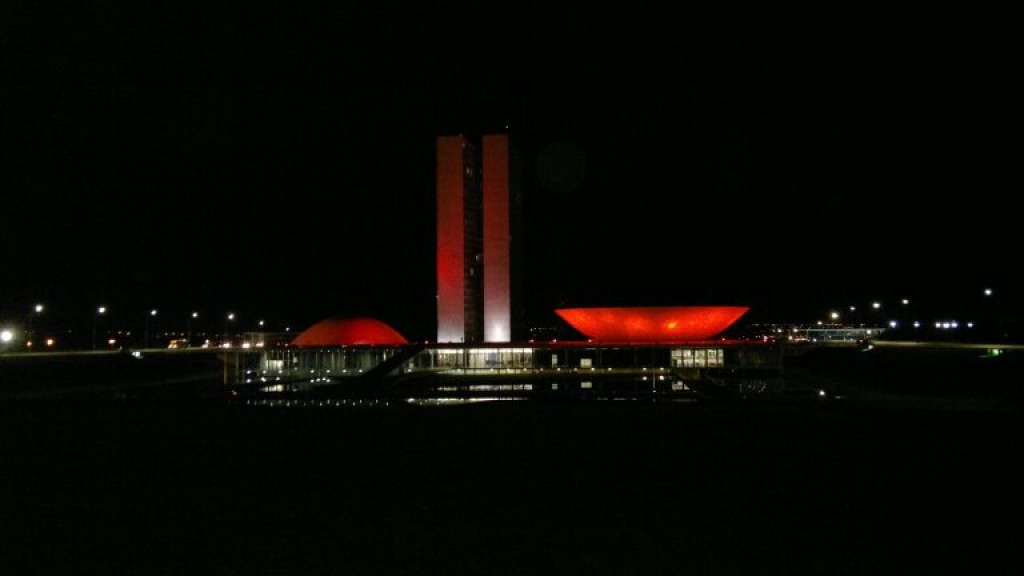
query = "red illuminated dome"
{"x": 652, "y": 324}
{"x": 349, "y": 332}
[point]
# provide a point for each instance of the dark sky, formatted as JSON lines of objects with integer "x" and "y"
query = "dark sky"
{"x": 277, "y": 158}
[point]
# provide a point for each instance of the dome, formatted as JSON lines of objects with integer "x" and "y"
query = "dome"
{"x": 652, "y": 324}
{"x": 349, "y": 332}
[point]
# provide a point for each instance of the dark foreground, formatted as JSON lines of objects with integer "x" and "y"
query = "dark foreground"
{"x": 507, "y": 488}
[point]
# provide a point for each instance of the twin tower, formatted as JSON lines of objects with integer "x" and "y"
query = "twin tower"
{"x": 478, "y": 210}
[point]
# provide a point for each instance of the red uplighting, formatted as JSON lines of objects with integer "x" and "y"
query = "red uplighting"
{"x": 349, "y": 332}
{"x": 451, "y": 241}
{"x": 652, "y": 324}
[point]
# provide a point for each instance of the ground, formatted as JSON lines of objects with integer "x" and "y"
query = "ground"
{"x": 507, "y": 488}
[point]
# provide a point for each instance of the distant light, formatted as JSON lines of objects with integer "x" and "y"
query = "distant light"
{"x": 261, "y": 322}
{"x": 152, "y": 312}
{"x": 954, "y": 325}
{"x": 111, "y": 342}
{"x": 938, "y": 324}
{"x": 853, "y": 308}
{"x": 246, "y": 345}
{"x": 876, "y": 305}
{"x": 101, "y": 310}
{"x": 195, "y": 314}
{"x": 988, "y": 291}
{"x": 834, "y": 315}
{"x": 231, "y": 315}
{"x": 820, "y": 322}
{"x": 970, "y": 324}
{"x": 917, "y": 324}
{"x": 50, "y": 342}
{"x": 6, "y": 336}
{"x": 905, "y": 301}
{"x": 945, "y": 325}
{"x": 39, "y": 308}
{"x": 892, "y": 323}
{"x": 28, "y": 344}
{"x": 821, "y": 393}
{"x": 287, "y": 328}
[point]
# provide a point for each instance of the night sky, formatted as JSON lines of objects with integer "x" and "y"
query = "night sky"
{"x": 277, "y": 159}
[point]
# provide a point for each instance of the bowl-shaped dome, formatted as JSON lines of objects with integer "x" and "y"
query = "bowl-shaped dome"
{"x": 349, "y": 332}
{"x": 652, "y": 324}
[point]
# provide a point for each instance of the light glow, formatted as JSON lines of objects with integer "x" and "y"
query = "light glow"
{"x": 652, "y": 324}
{"x": 497, "y": 235}
{"x": 349, "y": 332}
{"x": 451, "y": 284}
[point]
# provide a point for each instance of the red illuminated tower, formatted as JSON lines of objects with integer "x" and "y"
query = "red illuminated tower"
{"x": 458, "y": 241}
{"x": 474, "y": 239}
{"x": 497, "y": 239}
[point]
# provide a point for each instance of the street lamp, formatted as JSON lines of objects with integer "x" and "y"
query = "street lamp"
{"x": 188, "y": 331}
{"x": 230, "y": 318}
{"x": 152, "y": 314}
{"x": 37, "y": 309}
{"x": 100, "y": 311}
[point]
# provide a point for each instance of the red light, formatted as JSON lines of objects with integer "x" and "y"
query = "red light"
{"x": 349, "y": 332}
{"x": 652, "y": 324}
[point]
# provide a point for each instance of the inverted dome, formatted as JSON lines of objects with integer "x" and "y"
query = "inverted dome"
{"x": 349, "y": 332}
{"x": 652, "y": 324}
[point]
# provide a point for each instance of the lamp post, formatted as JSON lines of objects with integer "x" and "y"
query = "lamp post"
{"x": 100, "y": 311}
{"x": 37, "y": 309}
{"x": 188, "y": 330}
{"x": 229, "y": 318}
{"x": 152, "y": 314}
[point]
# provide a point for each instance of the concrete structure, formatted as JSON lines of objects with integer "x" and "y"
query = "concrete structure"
{"x": 459, "y": 270}
{"x": 497, "y": 240}
{"x": 477, "y": 204}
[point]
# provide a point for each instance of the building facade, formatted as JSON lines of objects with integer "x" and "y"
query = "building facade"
{"x": 477, "y": 211}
